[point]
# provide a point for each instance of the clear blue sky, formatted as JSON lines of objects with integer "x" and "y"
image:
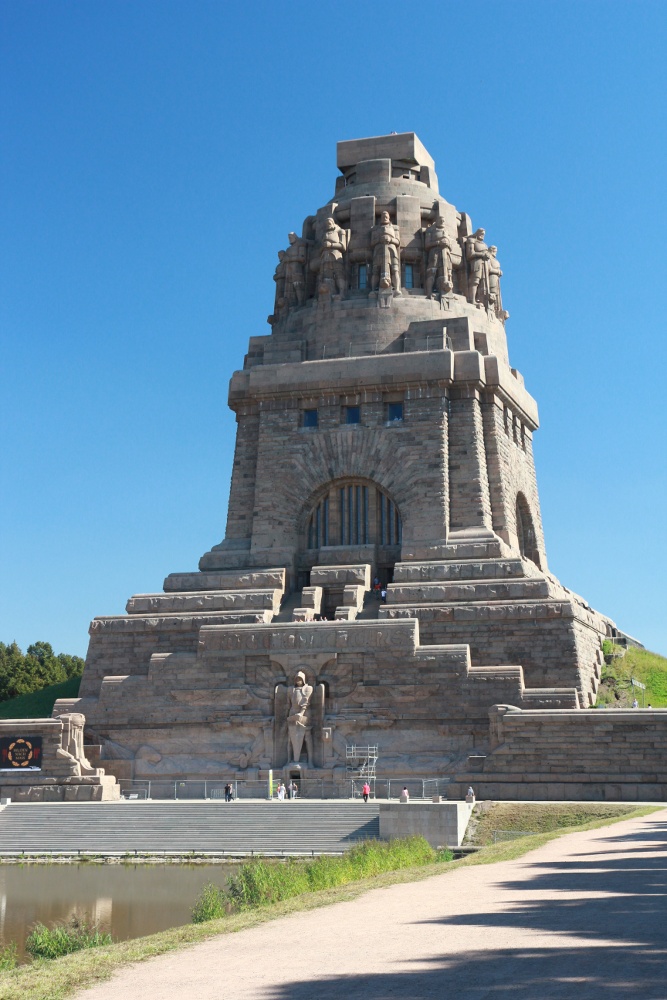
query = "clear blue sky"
{"x": 155, "y": 156}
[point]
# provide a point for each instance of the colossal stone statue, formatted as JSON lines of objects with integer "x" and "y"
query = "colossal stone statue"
{"x": 295, "y": 259}
{"x": 477, "y": 255}
{"x": 299, "y": 727}
{"x": 385, "y": 245}
{"x": 332, "y": 271}
{"x": 439, "y": 261}
{"x": 280, "y": 303}
{"x": 495, "y": 274}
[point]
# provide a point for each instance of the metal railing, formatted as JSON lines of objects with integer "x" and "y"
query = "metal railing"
{"x": 308, "y": 788}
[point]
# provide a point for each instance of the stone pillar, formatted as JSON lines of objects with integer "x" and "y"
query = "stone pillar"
{"x": 244, "y": 471}
{"x": 497, "y": 448}
{"x": 469, "y": 499}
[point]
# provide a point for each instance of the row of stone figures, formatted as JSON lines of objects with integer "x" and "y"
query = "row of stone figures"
{"x": 324, "y": 269}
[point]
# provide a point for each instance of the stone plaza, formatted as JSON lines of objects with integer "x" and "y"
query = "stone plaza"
{"x": 383, "y": 579}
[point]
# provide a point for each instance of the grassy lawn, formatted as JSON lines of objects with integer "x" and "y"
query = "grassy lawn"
{"x": 62, "y": 977}
{"x": 39, "y": 704}
{"x": 615, "y": 689}
{"x": 535, "y": 817}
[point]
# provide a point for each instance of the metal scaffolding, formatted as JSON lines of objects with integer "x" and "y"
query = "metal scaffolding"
{"x": 362, "y": 764}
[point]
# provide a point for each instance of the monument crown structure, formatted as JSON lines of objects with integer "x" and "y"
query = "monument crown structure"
{"x": 382, "y": 436}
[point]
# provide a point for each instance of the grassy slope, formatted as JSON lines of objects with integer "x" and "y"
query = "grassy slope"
{"x": 62, "y": 977}
{"x": 535, "y": 817}
{"x": 39, "y": 704}
{"x": 649, "y": 668}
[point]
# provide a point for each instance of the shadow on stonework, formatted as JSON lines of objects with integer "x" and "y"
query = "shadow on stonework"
{"x": 624, "y": 927}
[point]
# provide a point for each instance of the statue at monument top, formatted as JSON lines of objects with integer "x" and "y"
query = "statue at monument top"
{"x": 295, "y": 259}
{"x": 331, "y": 268}
{"x": 439, "y": 261}
{"x": 495, "y": 274}
{"x": 385, "y": 245}
{"x": 477, "y": 255}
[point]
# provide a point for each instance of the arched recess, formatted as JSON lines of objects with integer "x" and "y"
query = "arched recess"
{"x": 352, "y": 512}
{"x": 525, "y": 530}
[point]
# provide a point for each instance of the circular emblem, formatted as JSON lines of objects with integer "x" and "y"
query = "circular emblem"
{"x": 20, "y": 753}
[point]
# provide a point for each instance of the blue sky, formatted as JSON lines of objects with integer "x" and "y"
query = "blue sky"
{"x": 154, "y": 157}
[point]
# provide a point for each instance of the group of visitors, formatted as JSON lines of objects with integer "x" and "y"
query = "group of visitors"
{"x": 379, "y": 591}
{"x": 287, "y": 791}
{"x": 229, "y": 792}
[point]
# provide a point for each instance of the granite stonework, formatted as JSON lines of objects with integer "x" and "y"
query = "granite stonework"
{"x": 57, "y": 769}
{"x": 384, "y": 442}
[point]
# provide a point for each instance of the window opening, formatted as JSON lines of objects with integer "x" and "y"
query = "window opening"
{"x": 408, "y": 280}
{"x": 352, "y": 415}
{"x": 363, "y": 277}
{"x": 310, "y": 418}
{"x": 394, "y": 411}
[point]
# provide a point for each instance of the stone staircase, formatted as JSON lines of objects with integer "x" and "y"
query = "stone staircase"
{"x": 182, "y": 827}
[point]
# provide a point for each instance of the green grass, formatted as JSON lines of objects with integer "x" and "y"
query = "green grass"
{"x": 8, "y": 957}
{"x": 64, "y": 977}
{"x": 64, "y": 939}
{"x": 535, "y": 817}
{"x": 650, "y": 668}
{"x": 260, "y": 882}
{"x": 39, "y": 704}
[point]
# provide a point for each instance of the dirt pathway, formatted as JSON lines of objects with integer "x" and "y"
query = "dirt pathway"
{"x": 584, "y": 917}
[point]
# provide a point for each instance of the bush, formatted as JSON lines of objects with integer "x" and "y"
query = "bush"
{"x": 63, "y": 939}
{"x": 8, "y": 957}
{"x": 260, "y": 882}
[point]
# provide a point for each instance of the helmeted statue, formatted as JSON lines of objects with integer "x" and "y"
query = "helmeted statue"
{"x": 331, "y": 267}
{"x": 439, "y": 261}
{"x": 280, "y": 304}
{"x": 385, "y": 244}
{"x": 477, "y": 255}
{"x": 295, "y": 259}
{"x": 495, "y": 274}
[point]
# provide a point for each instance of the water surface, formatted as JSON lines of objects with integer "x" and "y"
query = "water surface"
{"x": 129, "y": 901}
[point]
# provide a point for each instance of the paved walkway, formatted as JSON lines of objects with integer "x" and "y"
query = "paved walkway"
{"x": 584, "y": 917}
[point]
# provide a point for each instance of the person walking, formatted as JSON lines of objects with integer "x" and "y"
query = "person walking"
{"x": 228, "y": 792}
{"x": 293, "y": 789}
{"x": 280, "y": 792}
{"x": 405, "y": 794}
{"x": 383, "y": 595}
{"x": 366, "y": 791}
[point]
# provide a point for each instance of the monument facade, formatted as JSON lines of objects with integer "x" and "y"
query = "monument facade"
{"x": 382, "y": 435}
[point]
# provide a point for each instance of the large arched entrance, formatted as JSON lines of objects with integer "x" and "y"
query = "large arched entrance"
{"x": 352, "y": 514}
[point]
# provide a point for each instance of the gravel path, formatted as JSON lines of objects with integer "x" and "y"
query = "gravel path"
{"x": 584, "y": 917}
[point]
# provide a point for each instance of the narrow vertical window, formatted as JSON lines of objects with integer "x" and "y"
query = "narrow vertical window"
{"x": 363, "y": 277}
{"x": 409, "y": 279}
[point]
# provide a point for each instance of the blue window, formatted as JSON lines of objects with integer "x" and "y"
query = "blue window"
{"x": 310, "y": 418}
{"x": 363, "y": 276}
{"x": 352, "y": 415}
{"x": 394, "y": 411}
{"x": 409, "y": 281}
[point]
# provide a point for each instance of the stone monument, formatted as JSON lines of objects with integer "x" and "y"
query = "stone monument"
{"x": 389, "y": 443}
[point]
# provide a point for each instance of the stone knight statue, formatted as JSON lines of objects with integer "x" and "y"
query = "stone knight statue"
{"x": 331, "y": 266}
{"x": 477, "y": 256}
{"x": 385, "y": 245}
{"x": 495, "y": 274}
{"x": 295, "y": 259}
{"x": 439, "y": 261}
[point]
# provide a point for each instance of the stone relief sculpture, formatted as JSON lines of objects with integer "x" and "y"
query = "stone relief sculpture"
{"x": 299, "y": 717}
{"x": 385, "y": 244}
{"x": 331, "y": 266}
{"x": 477, "y": 256}
{"x": 439, "y": 274}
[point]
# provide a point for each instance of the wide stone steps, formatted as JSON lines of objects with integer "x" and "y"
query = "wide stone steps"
{"x": 184, "y": 827}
